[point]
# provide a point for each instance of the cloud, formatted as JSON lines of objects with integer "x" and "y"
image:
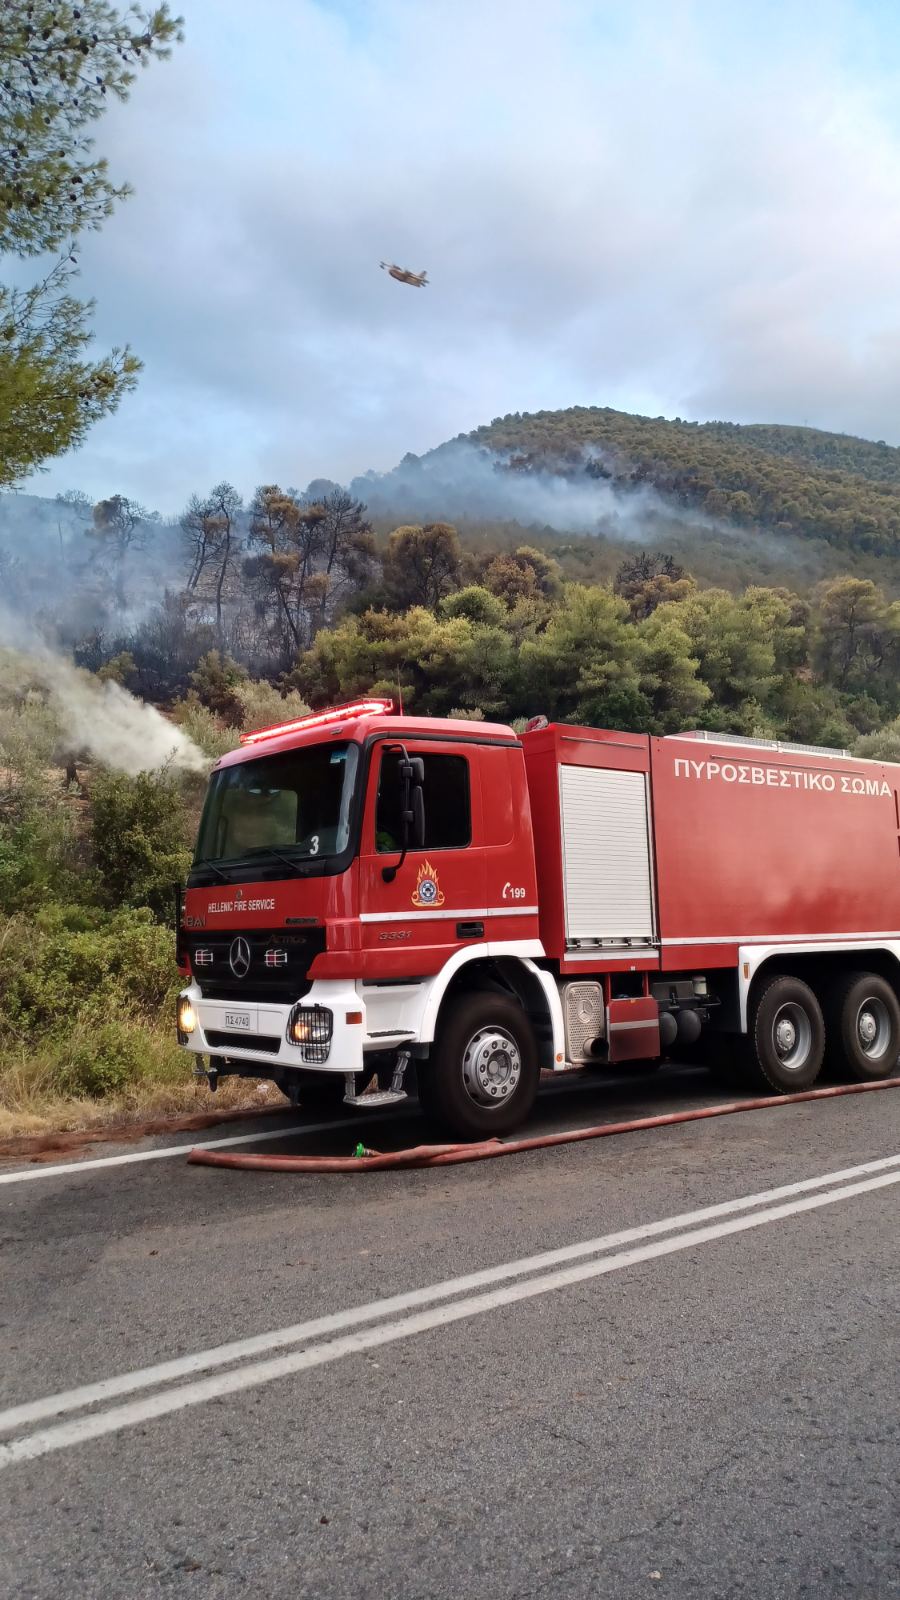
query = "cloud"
{"x": 679, "y": 208}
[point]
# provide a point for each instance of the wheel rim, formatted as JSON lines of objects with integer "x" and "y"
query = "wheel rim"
{"x": 792, "y": 1036}
{"x": 492, "y": 1067}
{"x": 873, "y": 1028}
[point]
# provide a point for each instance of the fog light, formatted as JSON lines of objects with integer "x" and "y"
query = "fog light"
{"x": 187, "y": 1019}
{"x": 311, "y": 1027}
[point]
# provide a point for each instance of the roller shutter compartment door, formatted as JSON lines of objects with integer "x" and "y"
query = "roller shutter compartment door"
{"x": 606, "y": 854}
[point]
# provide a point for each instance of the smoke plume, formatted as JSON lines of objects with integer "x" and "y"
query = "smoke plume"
{"x": 465, "y": 480}
{"x": 98, "y": 719}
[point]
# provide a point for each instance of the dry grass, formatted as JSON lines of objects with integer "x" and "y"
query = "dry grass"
{"x": 31, "y": 1103}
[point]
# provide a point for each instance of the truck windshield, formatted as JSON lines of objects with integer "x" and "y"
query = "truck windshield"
{"x": 297, "y": 802}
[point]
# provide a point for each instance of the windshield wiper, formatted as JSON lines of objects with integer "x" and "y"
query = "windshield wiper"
{"x": 210, "y": 866}
{"x": 269, "y": 850}
{"x": 248, "y": 858}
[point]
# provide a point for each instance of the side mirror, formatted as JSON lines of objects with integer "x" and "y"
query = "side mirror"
{"x": 411, "y": 775}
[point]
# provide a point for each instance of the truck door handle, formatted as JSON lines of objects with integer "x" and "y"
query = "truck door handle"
{"x": 470, "y": 930}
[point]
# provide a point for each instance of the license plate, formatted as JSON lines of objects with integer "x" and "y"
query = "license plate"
{"x": 238, "y": 1019}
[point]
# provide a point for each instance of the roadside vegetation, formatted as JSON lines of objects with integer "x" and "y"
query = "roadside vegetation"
{"x": 89, "y": 858}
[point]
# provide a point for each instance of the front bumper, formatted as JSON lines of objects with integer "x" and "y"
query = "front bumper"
{"x": 256, "y": 1032}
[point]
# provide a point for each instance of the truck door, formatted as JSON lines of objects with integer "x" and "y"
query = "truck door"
{"x": 436, "y": 902}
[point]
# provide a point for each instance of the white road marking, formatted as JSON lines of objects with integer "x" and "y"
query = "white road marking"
{"x": 179, "y": 1150}
{"x": 252, "y": 1373}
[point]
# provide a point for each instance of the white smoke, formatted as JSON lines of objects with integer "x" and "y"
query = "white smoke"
{"x": 463, "y": 479}
{"x": 100, "y": 719}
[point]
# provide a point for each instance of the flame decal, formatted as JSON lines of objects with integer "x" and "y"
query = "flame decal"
{"x": 427, "y": 893}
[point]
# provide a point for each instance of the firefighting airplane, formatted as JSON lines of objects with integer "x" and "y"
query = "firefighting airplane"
{"x": 419, "y": 280}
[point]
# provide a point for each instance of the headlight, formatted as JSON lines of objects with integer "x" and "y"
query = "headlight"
{"x": 187, "y": 1019}
{"x": 311, "y": 1027}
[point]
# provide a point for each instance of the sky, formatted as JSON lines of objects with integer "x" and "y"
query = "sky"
{"x": 678, "y": 207}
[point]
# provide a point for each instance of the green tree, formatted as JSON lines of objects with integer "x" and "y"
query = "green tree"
{"x": 858, "y": 631}
{"x": 60, "y": 65}
{"x": 478, "y": 604}
{"x": 51, "y": 393}
{"x": 733, "y": 640}
{"x": 669, "y": 675}
{"x": 647, "y": 581}
{"x": 422, "y": 565}
{"x": 522, "y": 574}
{"x": 439, "y": 663}
{"x": 584, "y": 666}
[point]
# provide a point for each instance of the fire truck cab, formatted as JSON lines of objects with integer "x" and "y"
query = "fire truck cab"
{"x": 377, "y": 895}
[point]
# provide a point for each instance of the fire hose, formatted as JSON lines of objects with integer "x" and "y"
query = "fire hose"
{"x": 448, "y": 1155}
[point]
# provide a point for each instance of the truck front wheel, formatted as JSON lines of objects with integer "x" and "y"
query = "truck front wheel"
{"x": 482, "y": 1075}
{"x": 864, "y": 1026}
{"x": 788, "y": 1034}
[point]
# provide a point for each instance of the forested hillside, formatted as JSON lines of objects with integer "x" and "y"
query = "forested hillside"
{"x": 790, "y": 480}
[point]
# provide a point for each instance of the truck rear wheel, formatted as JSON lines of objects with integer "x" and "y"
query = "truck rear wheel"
{"x": 482, "y": 1075}
{"x": 788, "y": 1034}
{"x": 864, "y": 1026}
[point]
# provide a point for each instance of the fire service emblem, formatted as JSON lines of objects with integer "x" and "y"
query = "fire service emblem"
{"x": 427, "y": 893}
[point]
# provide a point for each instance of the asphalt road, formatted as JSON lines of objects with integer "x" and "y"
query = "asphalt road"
{"x": 707, "y": 1407}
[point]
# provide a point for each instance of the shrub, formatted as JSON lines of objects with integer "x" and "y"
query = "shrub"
{"x": 203, "y": 726}
{"x": 38, "y": 859}
{"x": 881, "y": 746}
{"x": 38, "y": 845}
{"x": 476, "y": 603}
{"x": 103, "y": 1060}
{"x": 73, "y": 961}
{"x": 119, "y": 669}
{"x": 216, "y": 678}
{"x": 262, "y": 704}
{"x": 138, "y": 838}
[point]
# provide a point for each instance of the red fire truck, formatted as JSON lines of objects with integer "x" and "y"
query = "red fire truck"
{"x": 375, "y": 894}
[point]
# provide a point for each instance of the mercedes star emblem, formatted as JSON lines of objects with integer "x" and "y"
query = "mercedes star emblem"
{"x": 239, "y": 957}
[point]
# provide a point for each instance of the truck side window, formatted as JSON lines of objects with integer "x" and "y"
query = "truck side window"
{"x": 448, "y": 812}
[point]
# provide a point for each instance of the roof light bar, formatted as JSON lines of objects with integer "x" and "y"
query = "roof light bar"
{"x": 322, "y": 719}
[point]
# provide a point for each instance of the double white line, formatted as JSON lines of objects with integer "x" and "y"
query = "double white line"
{"x": 326, "y": 1339}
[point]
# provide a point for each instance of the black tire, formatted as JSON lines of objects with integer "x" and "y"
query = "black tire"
{"x": 460, "y": 1074}
{"x": 787, "y": 1030}
{"x": 863, "y": 1002}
